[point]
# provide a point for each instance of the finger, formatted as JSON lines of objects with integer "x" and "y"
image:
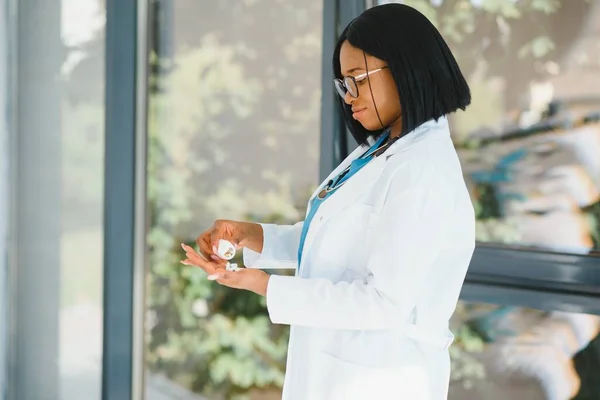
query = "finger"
{"x": 196, "y": 260}
{"x": 210, "y": 256}
{"x": 191, "y": 253}
{"x": 188, "y": 249}
{"x": 204, "y": 244}
{"x": 190, "y": 263}
{"x": 198, "y": 254}
{"x": 221, "y": 231}
{"x": 219, "y": 261}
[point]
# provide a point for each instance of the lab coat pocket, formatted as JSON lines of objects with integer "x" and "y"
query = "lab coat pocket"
{"x": 343, "y": 380}
{"x": 343, "y": 239}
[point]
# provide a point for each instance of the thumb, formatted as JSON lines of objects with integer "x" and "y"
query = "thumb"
{"x": 227, "y": 232}
{"x": 219, "y": 234}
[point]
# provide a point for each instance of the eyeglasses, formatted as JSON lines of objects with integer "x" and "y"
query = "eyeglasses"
{"x": 348, "y": 83}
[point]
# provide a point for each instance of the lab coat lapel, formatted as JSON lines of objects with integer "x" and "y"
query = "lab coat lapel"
{"x": 354, "y": 155}
{"x": 347, "y": 194}
{"x": 352, "y": 189}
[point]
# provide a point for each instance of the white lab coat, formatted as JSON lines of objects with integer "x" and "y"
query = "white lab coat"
{"x": 383, "y": 265}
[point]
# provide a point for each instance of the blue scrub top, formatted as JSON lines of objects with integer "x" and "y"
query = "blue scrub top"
{"x": 336, "y": 183}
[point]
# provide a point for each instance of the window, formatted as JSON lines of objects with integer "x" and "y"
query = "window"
{"x": 529, "y": 141}
{"x": 234, "y": 132}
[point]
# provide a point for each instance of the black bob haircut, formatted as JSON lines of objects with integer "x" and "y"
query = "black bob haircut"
{"x": 429, "y": 81}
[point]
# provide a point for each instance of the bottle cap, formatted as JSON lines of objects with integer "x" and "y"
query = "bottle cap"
{"x": 226, "y": 249}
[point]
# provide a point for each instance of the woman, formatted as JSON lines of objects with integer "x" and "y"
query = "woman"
{"x": 382, "y": 253}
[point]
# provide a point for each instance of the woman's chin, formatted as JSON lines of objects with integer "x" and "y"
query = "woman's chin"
{"x": 370, "y": 125}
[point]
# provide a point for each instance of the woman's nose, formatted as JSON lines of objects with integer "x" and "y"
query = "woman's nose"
{"x": 348, "y": 99}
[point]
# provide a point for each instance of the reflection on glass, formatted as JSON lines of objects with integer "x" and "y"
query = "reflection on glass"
{"x": 530, "y": 139}
{"x": 234, "y": 111}
{"x": 519, "y": 353}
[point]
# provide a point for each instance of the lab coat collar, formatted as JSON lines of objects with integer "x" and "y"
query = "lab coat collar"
{"x": 418, "y": 134}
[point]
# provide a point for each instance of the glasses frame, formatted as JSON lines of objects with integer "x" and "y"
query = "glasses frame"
{"x": 349, "y": 83}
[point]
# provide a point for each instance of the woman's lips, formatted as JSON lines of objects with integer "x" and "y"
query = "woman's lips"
{"x": 358, "y": 112}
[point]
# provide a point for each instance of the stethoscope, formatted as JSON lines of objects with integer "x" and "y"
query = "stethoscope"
{"x": 336, "y": 183}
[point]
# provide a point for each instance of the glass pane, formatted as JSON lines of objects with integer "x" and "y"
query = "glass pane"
{"x": 518, "y": 353}
{"x": 234, "y": 114}
{"x": 83, "y": 33}
{"x": 57, "y": 139}
{"x": 530, "y": 140}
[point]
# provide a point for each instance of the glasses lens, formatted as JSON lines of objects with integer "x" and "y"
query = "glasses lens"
{"x": 339, "y": 86}
{"x": 350, "y": 84}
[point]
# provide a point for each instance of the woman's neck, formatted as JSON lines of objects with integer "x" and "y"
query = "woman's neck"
{"x": 396, "y": 128}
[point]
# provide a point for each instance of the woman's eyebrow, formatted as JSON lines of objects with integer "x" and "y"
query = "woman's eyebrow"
{"x": 351, "y": 70}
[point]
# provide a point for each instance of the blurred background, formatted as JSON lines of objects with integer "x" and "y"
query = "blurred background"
{"x": 127, "y": 127}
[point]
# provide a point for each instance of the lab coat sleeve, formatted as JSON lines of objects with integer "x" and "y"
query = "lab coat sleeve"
{"x": 280, "y": 248}
{"x": 407, "y": 240}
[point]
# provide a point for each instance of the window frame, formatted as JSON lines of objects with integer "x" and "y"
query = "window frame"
{"x": 7, "y": 147}
{"x": 125, "y": 199}
{"x": 534, "y": 278}
{"x": 335, "y": 147}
